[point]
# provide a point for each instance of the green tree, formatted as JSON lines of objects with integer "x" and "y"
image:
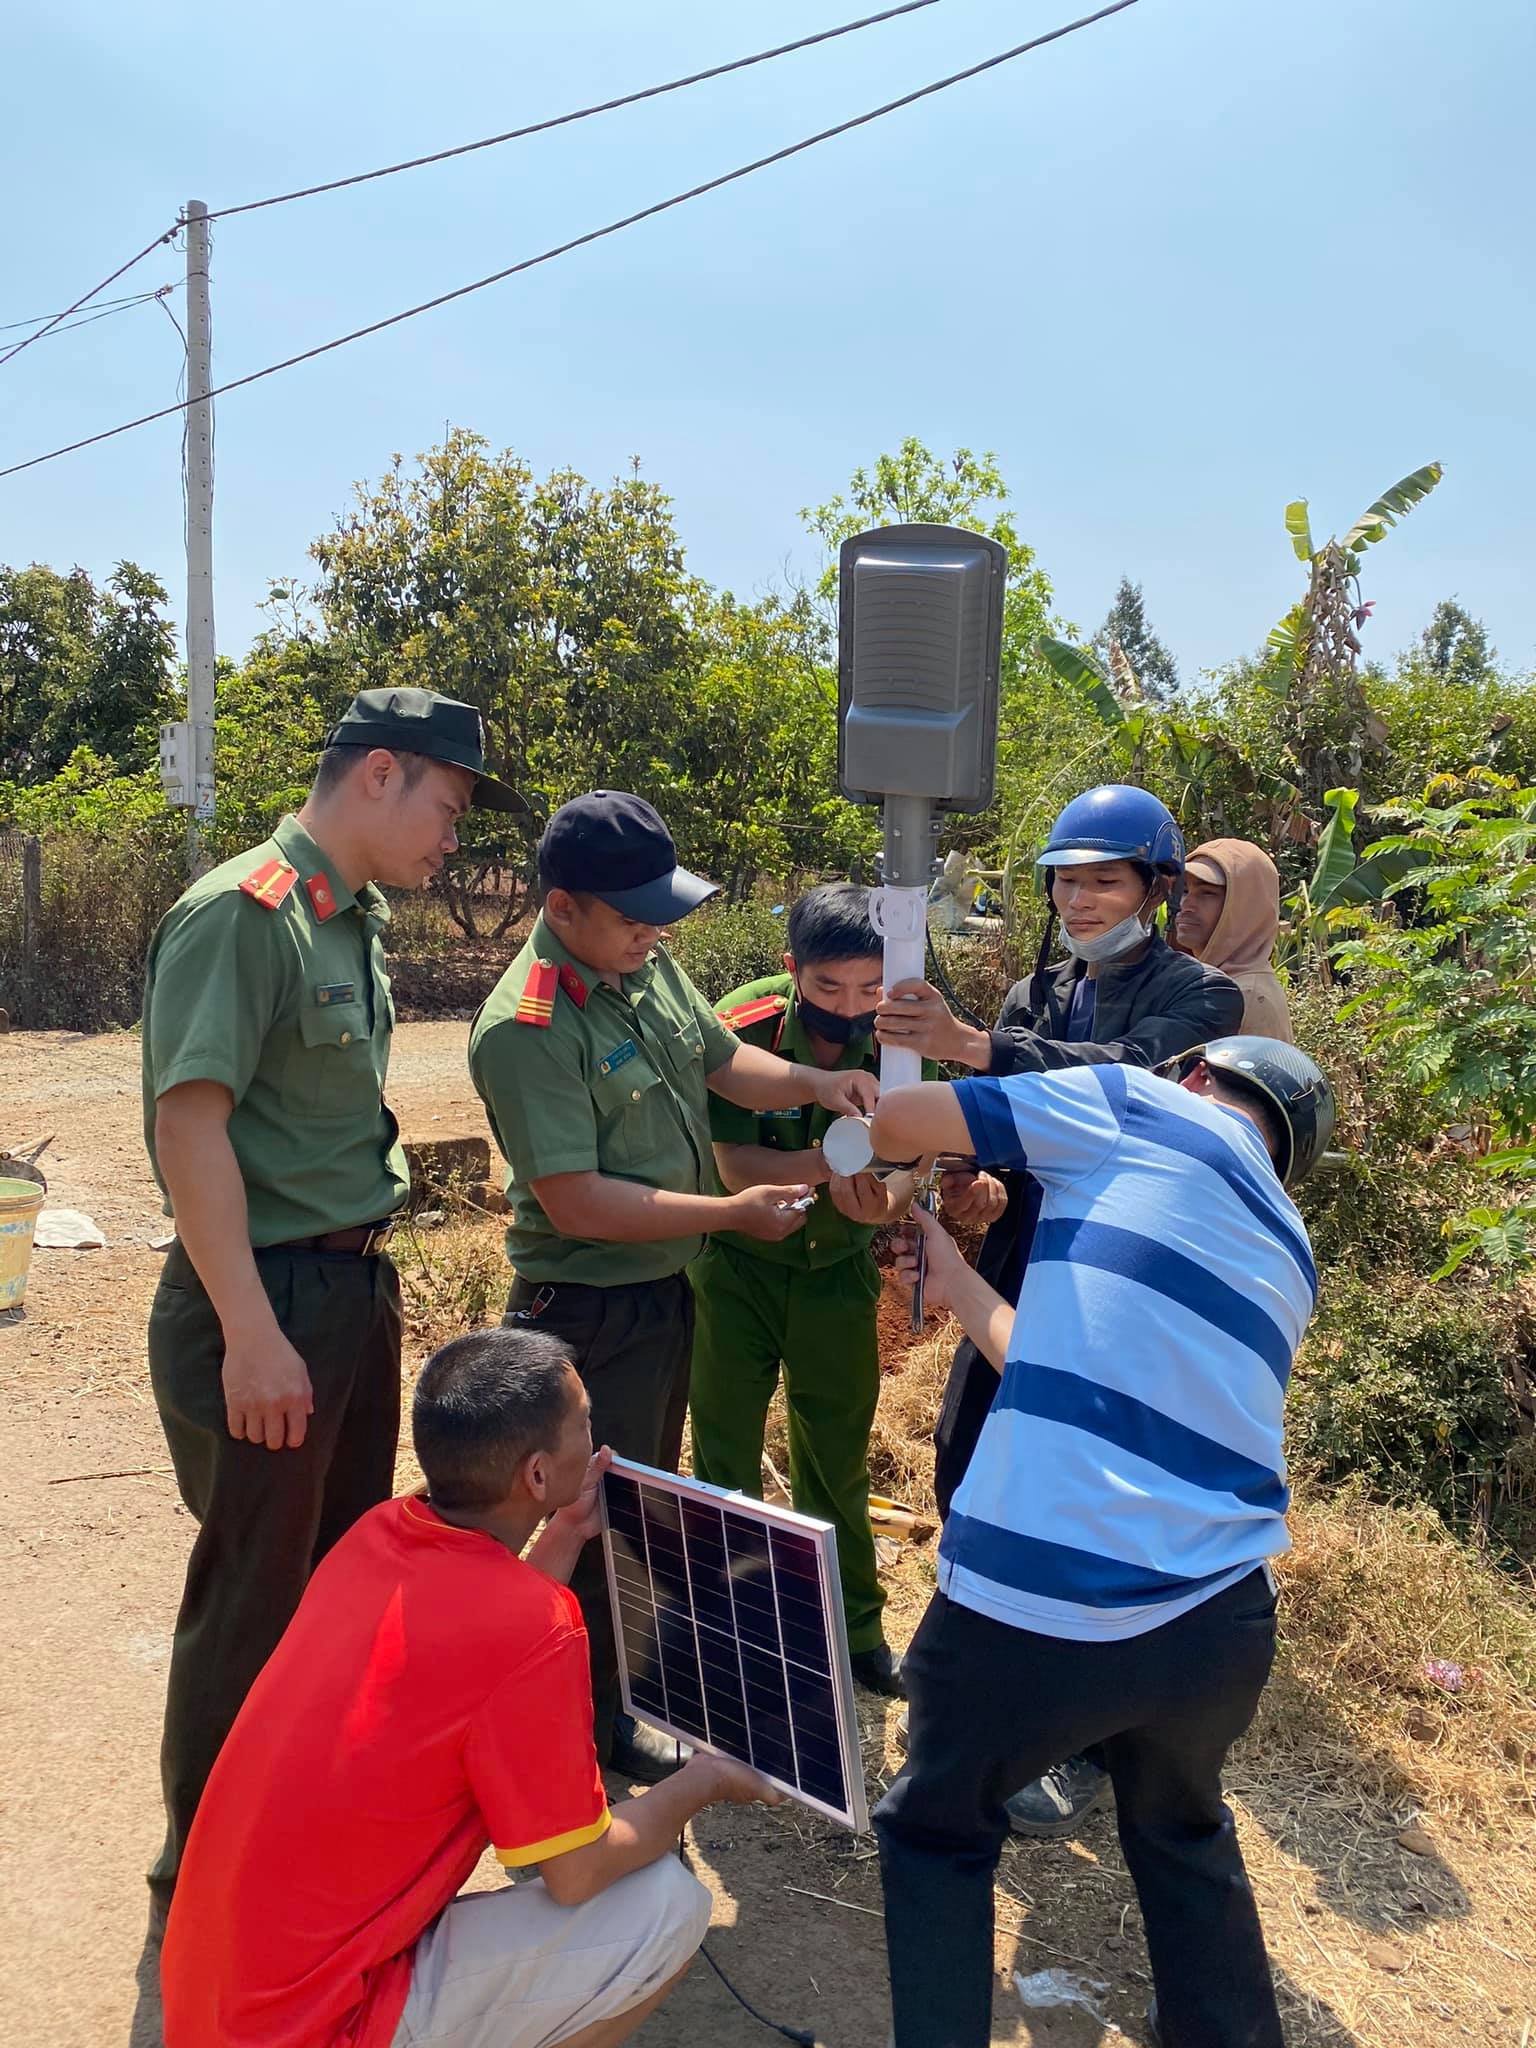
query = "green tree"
{"x": 758, "y": 752}
{"x": 1126, "y": 627}
{"x": 562, "y": 611}
{"x": 273, "y": 713}
{"x": 82, "y": 665}
{"x": 1454, "y": 645}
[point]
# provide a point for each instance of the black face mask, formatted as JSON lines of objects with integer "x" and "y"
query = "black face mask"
{"x": 829, "y": 1025}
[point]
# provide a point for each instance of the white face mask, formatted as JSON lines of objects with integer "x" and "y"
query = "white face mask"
{"x": 1121, "y": 938}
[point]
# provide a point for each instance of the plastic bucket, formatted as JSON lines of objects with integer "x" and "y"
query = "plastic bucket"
{"x": 20, "y": 1203}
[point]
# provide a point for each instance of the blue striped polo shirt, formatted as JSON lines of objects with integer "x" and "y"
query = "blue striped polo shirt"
{"x": 1132, "y": 1464}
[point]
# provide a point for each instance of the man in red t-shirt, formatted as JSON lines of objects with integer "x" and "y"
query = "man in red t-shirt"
{"x": 431, "y": 1694}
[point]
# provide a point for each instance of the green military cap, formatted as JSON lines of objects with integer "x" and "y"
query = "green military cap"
{"x": 422, "y": 722}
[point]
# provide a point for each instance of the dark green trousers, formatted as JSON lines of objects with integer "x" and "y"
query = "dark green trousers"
{"x": 265, "y": 1518}
{"x": 756, "y": 1317}
{"x": 631, "y": 1345}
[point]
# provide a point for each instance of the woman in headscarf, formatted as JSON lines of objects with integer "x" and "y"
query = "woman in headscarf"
{"x": 1229, "y": 920}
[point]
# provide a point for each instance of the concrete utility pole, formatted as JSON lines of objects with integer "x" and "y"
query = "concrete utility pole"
{"x": 199, "y": 479}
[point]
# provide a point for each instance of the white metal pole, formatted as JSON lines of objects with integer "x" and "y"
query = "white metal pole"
{"x": 899, "y": 912}
{"x": 199, "y": 486}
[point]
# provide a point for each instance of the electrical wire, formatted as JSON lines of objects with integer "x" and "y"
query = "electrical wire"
{"x": 649, "y": 92}
{"x": 947, "y": 987}
{"x": 122, "y": 270}
{"x": 800, "y": 2035}
{"x": 111, "y": 313}
{"x": 629, "y": 99}
{"x": 581, "y": 241}
{"x": 106, "y": 306}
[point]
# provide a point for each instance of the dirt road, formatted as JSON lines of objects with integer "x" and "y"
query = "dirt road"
{"x": 96, "y": 1541}
{"x": 1372, "y": 1945}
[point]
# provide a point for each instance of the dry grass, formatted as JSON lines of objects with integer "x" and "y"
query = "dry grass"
{"x": 1387, "y": 1823}
{"x": 452, "y": 1278}
{"x": 1371, "y": 1594}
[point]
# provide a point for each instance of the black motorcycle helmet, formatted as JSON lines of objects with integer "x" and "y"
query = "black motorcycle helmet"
{"x": 1290, "y": 1083}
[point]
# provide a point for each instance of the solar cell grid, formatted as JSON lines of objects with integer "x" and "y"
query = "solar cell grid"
{"x": 730, "y": 1627}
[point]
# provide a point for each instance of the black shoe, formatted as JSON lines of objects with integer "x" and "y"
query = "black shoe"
{"x": 643, "y": 1756}
{"x": 1054, "y": 1805}
{"x": 879, "y": 1670}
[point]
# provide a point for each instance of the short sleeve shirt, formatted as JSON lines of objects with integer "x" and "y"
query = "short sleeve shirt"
{"x": 430, "y": 1695}
{"x": 1132, "y": 1463}
{"x": 614, "y": 1082}
{"x": 276, "y": 988}
{"x": 772, "y": 1022}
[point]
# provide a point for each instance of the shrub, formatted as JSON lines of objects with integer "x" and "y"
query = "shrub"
{"x": 1385, "y": 1204}
{"x": 1410, "y": 1386}
{"x": 978, "y": 970}
{"x": 720, "y": 948}
{"x": 102, "y": 897}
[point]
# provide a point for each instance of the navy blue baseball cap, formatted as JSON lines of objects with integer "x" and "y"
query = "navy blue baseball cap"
{"x": 614, "y": 846}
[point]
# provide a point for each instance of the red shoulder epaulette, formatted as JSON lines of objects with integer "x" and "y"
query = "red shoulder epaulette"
{"x": 536, "y": 1004}
{"x": 574, "y": 986}
{"x": 270, "y": 883}
{"x": 753, "y": 1012}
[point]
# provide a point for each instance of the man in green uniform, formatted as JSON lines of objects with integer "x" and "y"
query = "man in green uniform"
{"x": 806, "y": 1303}
{"x": 274, "y": 1339}
{"x": 596, "y": 1059}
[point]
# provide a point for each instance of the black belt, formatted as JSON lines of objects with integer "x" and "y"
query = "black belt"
{"x": 363, "y": 1240}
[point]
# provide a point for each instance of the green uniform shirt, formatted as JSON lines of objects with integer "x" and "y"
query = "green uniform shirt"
{"x": 828, "y": 1234}
{"x": 290, "y": 1009}
{"x": 612, "y": 1083}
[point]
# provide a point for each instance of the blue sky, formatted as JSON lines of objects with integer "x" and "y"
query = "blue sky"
{"x": 1201, "y": 258}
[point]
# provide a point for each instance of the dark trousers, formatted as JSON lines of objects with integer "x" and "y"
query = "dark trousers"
{"x": 265, "y": 1518}
{"x": 632, "y": 1347}
{"x": 991, "y": 1707}
{"x": 968, "y": 1392}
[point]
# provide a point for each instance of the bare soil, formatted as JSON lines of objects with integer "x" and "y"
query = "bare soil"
{"x": 1374, "y": 1943}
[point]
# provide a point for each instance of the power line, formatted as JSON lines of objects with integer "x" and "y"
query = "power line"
{"x": 134, "y": 299}
{"x": 593, "y": 235}
{"x": 122, "y": 270}
{"x": 110, "y": 313}
{"x": 467, "y": 148}
{"x": 629, "y": 99}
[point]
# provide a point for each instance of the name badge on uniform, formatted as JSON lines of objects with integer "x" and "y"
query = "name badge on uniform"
{"x": 337, "y": 992}
{"x": 796, "y": 1111}
{"x": 620, "y": 1056}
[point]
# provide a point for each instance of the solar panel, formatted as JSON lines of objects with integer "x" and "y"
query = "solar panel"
{"x": 730, "y": 1630}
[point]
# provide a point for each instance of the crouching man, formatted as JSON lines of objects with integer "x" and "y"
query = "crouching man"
{"x": 1103, "y": 1574}
{"x": 432, "y": 1695}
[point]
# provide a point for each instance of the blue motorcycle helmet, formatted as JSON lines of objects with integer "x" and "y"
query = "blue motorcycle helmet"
{"x": 1116, "y": 822}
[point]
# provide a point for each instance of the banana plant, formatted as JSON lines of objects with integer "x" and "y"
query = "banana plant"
{"x": 1328, "y": 619}
{"x": 1340, "y": 878}
{"x": 1307, "y": 909}
{"x": 1081, "y": 672}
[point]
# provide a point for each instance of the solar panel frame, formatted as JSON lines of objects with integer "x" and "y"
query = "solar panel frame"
{"x": 758, "y": 1662}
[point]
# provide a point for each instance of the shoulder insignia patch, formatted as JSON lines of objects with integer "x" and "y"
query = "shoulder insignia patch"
{"x": 574, "y": 986}
{"x": 536, "y": 1004}
{"x": 322, "y": 902}
{"x": 270, "y": 883}
{"x": 754, "y": 1012}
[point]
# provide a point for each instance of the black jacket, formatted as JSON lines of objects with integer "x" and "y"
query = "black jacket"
{"x": 1145, "y": 1013}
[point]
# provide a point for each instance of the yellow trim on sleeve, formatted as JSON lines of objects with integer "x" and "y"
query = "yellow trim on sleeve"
{"x": 557, "y": 1845}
